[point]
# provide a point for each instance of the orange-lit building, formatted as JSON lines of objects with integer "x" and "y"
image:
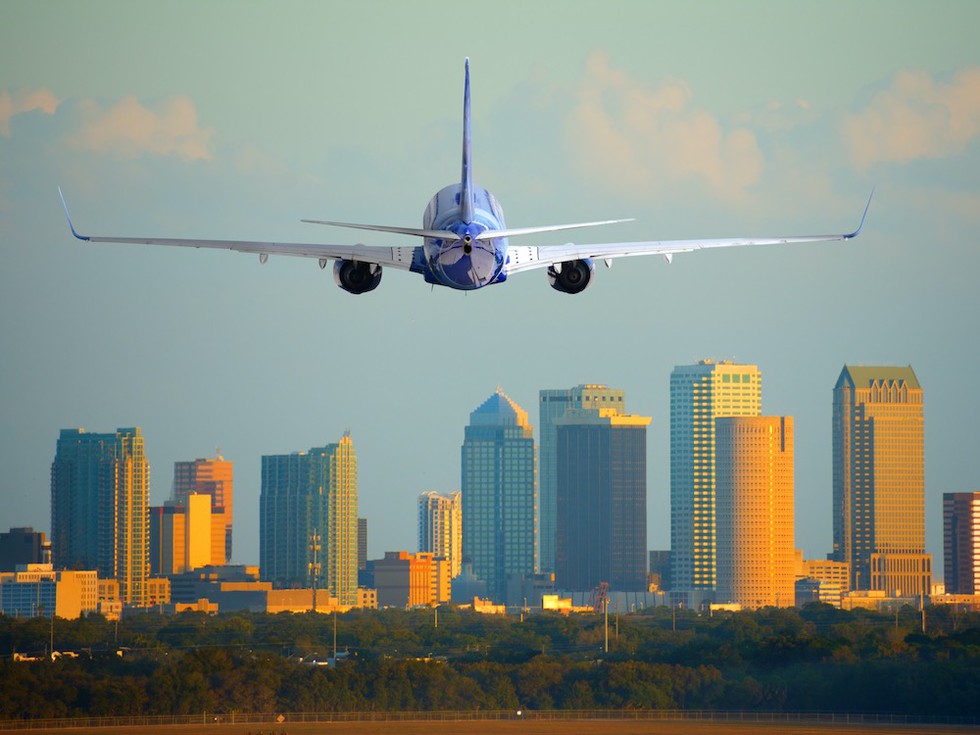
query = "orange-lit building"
{"x": 213, "y": 477}
{"x": 754, "y": 511}
{"x": 186, "y": 537}
{"x": 879, "y": 480}
{"x": 404, "y": 580}
{"x": 36, "y": 590}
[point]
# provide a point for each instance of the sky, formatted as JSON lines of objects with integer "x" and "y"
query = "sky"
{"x": 712, "y": 119}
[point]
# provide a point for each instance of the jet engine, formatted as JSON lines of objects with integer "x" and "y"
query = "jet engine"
{"x": 355, "y": 276}
{"x": 572, "y": 276}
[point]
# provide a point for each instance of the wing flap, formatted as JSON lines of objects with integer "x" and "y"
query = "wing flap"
{"x": 399, "y": 257}
{"x": 523, "y": 258}
{"x": 546, "y": 255}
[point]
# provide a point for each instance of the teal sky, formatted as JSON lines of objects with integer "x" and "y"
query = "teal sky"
{"x": 236, "y": 120}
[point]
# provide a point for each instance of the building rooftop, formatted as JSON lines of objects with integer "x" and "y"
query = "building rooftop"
{"x": 499, "y": 410}
{"x": 863, "y": 376}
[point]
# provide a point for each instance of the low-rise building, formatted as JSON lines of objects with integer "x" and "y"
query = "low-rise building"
{"x": 37, "y": 590}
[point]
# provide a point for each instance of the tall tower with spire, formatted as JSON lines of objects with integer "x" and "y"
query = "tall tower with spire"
{"x": 499, "y": 493}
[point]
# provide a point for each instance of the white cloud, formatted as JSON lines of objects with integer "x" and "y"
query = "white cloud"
{"x": 22, "y": 101}
{"x": 129, "y": 129}
{"x": 778, "y": 117}
{"x": 632, "y": 137}
{"x": 916, "y": 117}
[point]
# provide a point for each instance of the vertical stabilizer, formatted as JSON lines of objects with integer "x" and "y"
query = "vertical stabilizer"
{"x": 466, "y": 185}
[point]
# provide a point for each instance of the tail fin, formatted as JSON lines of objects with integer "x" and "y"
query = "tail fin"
{"x": 466, "y": 185}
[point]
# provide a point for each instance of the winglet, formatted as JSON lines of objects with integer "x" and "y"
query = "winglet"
{"x": 863, "y": 217}
{"x": 70, "y": 225}
{"x": 466, "y": 185}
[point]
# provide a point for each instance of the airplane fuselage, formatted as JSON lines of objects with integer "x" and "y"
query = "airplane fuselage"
{"x": 465, "y": 242}
{"x": 464, "y": 263}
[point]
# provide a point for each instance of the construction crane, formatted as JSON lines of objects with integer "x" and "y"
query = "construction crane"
{"x": 599, "y": 597}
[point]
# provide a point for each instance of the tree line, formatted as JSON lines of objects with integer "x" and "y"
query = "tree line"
{"x": 815, "y": 659}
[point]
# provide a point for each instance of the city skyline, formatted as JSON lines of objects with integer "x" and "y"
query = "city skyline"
{"x": 589, "y": 116}
{"x": 704, "y": 394}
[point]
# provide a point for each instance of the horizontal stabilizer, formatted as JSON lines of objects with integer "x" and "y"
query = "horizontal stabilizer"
{"x": 494, "y": 234}
{"x": 437, "y": 234}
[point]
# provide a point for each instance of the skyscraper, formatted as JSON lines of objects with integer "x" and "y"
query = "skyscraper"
{"x": 879, "y": 480}
{"x": 214, "y": 477}
{"x": 961, "y": 542}
{"x": 754, "y": 511}
{"x": 498, "y": 490}
{"x": 441, "y": 527}
{"x": 699, "y": 394}
{"x": 601, "y": 501}
{"x": 552, "y": 406}
{"x": 307, "y": 494}
{"x": 186, "y": 537}
{"x": 100, "y": 488}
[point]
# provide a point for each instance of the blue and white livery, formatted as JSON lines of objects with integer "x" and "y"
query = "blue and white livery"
{"x": 465, "y": 242}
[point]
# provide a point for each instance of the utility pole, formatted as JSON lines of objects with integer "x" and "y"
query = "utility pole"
{"x": 315, "y": 564}
{"x": 922, "y": 608}
{"x": 606, "y": 609}
{"x": 335, "y": 636}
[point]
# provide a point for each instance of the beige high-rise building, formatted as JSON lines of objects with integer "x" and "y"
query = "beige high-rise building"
{"x": 215, "y": 477}
{"x": 441, "y": 527}
{"x": 879, "y": 480}
{"x": 699, "y": 394}
{"x": 754, "y": 511}
{"x": 831, "y": 579}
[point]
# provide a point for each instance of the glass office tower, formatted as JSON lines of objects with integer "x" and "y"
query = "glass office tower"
{"x": 309, "y": 499}
{"x": 499, "y": 493}
{"x": 552, "y": 406}
{"x": 100, "y": 490}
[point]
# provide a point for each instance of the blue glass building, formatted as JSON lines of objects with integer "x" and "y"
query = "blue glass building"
{"x": 499, "y": 493}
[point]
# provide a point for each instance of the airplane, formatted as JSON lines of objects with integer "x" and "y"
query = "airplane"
{"x": 465, "y": 242}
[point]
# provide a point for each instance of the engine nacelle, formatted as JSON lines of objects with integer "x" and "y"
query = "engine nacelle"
{"x": 355, "y": 276}
{"x": 572, "y": 276}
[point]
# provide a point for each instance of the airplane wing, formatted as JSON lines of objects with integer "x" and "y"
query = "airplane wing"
{"x": 393, "y": 257}
{"x": 524, "y": 258}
